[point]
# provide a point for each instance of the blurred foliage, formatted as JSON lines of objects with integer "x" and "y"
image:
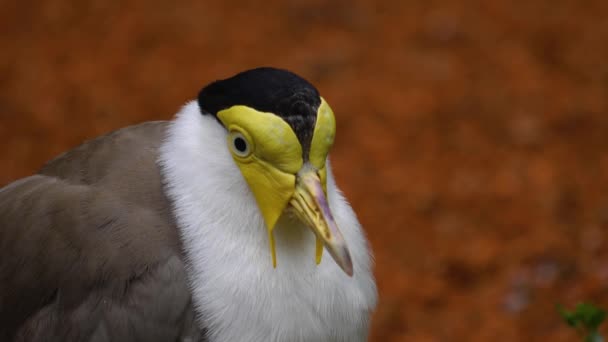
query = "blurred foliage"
{"x": 586, "y": 318}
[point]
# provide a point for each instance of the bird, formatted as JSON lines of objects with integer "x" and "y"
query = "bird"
{"x": 223, "y": 223}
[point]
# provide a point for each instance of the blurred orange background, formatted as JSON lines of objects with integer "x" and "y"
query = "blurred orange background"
{"x": 472, "y": 135}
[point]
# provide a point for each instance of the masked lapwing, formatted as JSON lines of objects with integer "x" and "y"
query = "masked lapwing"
{"x": 223, "y": 224}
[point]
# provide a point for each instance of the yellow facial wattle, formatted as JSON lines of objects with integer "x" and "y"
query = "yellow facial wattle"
{"x": 323, "y": 135}
{"x": 269, "y": 155}
{"x": 270, "y": 168}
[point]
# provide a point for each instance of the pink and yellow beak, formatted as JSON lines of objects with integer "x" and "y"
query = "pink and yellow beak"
{"x": 280, "y": 180}
{"x": 311, "y": 206}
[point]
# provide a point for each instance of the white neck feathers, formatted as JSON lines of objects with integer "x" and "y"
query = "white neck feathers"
{"x": 237, "y": 293}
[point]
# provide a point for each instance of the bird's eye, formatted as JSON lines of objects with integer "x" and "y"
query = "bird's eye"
{"x": 239, "y": 144}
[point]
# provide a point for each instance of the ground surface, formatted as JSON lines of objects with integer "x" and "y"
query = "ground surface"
{"x": 472, "y": 136}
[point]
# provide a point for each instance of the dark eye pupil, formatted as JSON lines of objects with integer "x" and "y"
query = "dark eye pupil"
{"x": 240, "y": 144}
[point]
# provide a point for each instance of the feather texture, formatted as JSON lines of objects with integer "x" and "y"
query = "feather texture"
{"x": 150, "y": 233}
{"x": 238, "y": 293}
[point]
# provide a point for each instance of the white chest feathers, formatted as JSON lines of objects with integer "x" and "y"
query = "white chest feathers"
{"x": 237, "y": 293}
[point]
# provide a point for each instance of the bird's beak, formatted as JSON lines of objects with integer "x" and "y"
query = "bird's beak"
{"x": 281, "y": 181}
{"x": 311, "y": 206}
{"x": 275, "y": 193}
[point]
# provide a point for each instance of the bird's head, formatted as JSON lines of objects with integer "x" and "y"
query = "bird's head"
{"x": 280, "y": 132}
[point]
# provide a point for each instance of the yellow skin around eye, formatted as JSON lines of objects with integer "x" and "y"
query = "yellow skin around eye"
{"x": 270, "y": 137}
{"x": 322, "y": 141}
{"x": 276, "y": 158}
{"x": 323, "y": 135}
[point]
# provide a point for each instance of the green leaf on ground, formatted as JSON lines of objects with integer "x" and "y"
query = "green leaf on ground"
{"x": 586, "y": 318}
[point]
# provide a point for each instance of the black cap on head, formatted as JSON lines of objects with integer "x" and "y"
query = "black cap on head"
{"x": 267, "y": 90}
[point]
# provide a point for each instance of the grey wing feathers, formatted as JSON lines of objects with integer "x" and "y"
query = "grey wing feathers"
{"x": 81, "y": 263}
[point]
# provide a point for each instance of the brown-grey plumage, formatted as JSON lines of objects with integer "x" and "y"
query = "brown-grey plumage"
{"x": 161, "y": 232}
{"x": 94, "y": 251}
